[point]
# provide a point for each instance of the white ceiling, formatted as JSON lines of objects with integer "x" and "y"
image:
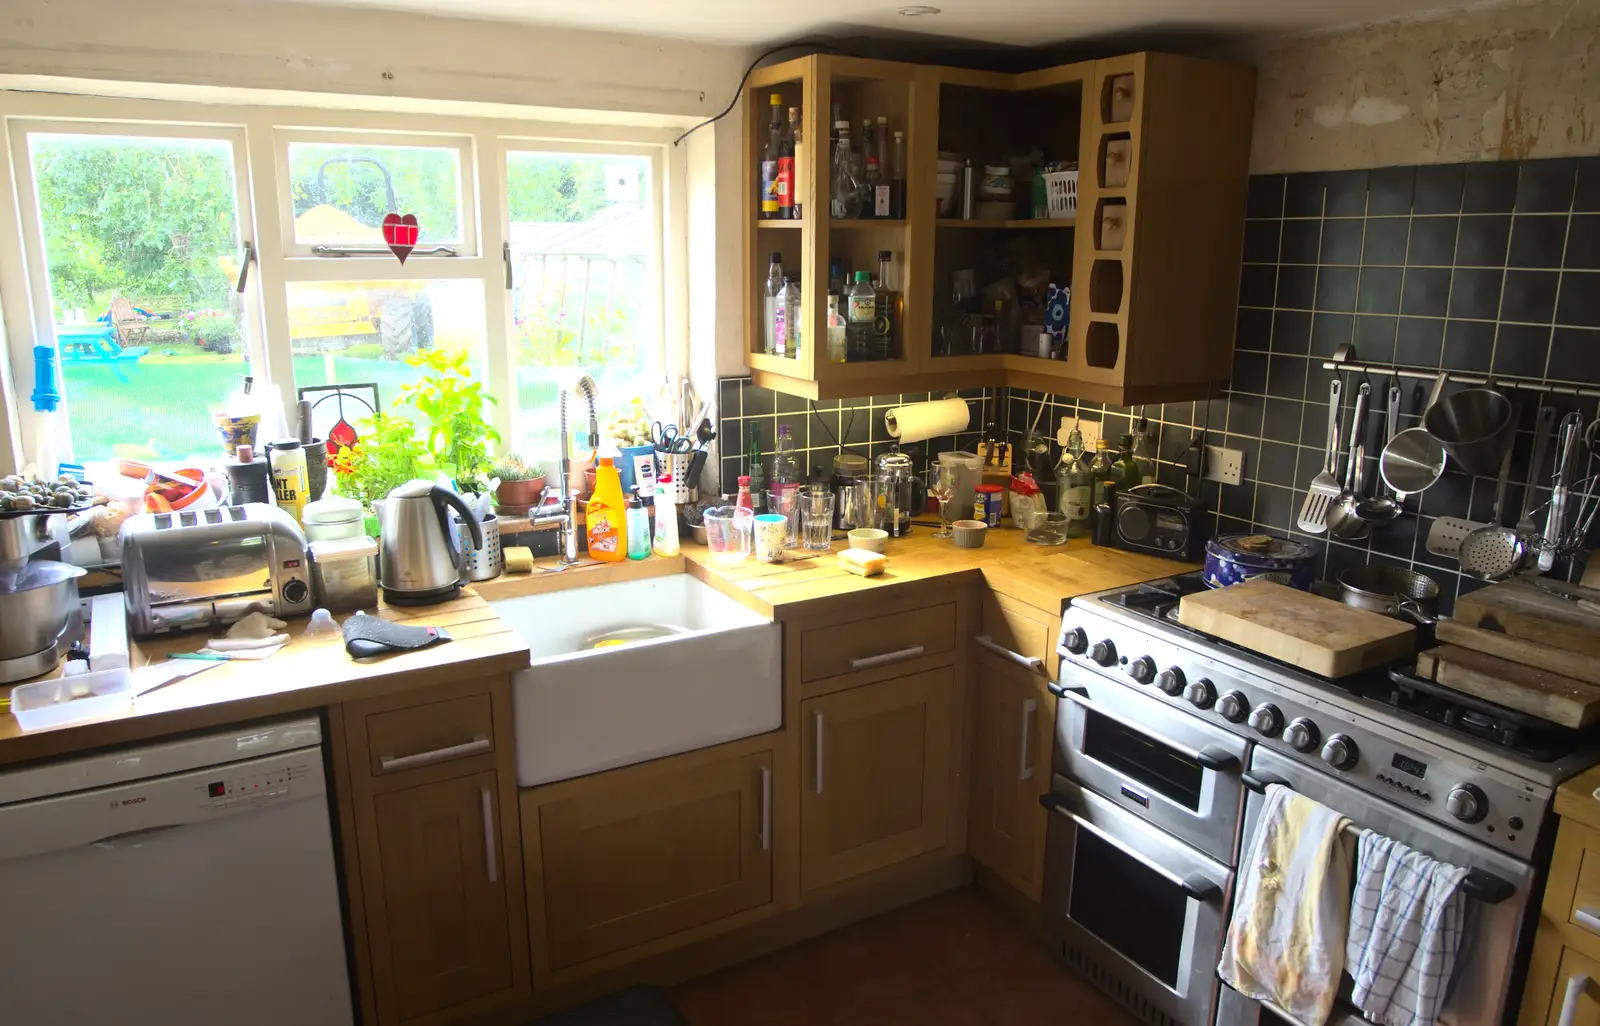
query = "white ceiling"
{"x": 1006, "y": 22}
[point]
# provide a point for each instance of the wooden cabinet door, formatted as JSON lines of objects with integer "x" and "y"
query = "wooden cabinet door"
{"x": 1577, "y": 992}
{"x": 1012, "y": 728}
{"x": 646, "y": 856}
{"x": 875, "y": 775}
{"x": 442, "y": 883}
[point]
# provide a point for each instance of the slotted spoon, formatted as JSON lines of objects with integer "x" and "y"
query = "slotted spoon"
{"x": 1494, "y": 550}
{"x": 1325, "y": 487}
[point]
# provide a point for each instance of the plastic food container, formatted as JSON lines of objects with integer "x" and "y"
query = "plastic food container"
{"x": 344, "y": 573}
{"x": 333, "y": 519}
{"x": 87, "y": 696}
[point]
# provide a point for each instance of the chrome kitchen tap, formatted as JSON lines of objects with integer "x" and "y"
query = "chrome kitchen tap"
{"x": 563, "y": 511}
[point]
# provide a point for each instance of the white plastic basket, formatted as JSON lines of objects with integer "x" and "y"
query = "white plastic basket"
{"x": 1060, "y": 193}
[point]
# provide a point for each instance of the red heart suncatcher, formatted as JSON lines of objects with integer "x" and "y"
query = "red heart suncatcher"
{"x": 400, "y": 233}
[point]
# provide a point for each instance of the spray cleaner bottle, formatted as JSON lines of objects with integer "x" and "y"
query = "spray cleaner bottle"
{"x": 606, "y": 515}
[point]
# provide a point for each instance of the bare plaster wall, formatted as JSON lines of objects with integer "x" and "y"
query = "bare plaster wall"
{"x": 1504, "y": 82}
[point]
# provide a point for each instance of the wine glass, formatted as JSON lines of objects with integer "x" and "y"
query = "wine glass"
{"x": 942, "y": 486}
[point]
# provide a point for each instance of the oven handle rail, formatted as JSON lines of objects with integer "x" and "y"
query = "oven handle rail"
{"x": 1200, "y": 888}
{"x": 1211, "y": 757}
{"x": 1480, "y": 885}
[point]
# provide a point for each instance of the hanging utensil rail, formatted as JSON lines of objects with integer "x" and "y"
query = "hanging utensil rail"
{"x": 1427, "y": 374}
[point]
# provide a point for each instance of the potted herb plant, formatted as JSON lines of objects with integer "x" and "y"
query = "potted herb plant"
{"x": 386, "y": 455}
{"x": 458, "y": 438}
{"x": 521, "y": 484}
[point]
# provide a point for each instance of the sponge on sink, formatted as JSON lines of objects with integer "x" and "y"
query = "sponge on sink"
{"x": 519, "y": 559}
{"x": 863, "y": 562}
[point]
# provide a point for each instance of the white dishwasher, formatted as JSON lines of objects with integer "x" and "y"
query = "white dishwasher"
{"x": 190, "y": 882}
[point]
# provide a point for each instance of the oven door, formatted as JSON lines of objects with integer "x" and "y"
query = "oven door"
{"x": 1167, "y": 766}
{"x": 1137, "y": 912}
{"x": 1499, "y": 888}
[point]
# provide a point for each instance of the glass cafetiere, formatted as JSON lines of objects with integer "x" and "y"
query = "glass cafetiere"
{"x": 898, "y": 493}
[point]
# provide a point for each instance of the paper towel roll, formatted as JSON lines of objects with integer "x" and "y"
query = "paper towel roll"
{"x": 922, "y": 421}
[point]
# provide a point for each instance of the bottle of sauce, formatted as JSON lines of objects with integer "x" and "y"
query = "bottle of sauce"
{"x": 606, "y": 514}
{"x": 289, "y": 483}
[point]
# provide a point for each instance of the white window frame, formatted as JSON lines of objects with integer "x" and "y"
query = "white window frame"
{"x": 260, "y": 134}
{"x": 30, "y": 230}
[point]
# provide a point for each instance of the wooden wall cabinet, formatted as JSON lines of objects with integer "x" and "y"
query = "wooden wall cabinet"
{"x": 1152, "y": 257}
{"x": 434, "y": 872}
{"x": 1012, "y": 730}
{"x": 622, "y": 860}
{"x": 875, "y": 775}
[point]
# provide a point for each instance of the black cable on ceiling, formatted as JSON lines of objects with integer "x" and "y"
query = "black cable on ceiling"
{"x": 816, "y": 45}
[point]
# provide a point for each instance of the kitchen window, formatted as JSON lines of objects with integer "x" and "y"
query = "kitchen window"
{"x": 540, "y": 258}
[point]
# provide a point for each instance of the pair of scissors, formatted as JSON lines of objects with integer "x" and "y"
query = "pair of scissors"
{"x": 668, "y": 440}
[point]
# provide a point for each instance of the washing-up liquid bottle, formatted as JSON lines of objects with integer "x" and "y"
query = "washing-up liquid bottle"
{"x": 638, "y": 527}
{"x": 606, "y": 513}
{"x": 666, "y": 518}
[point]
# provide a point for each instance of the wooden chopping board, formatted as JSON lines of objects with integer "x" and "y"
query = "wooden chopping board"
{"x": 1305, "y": 630}
{"x": 1550, "y": 696}
{"x": 1523, "y": 611}
{"x": 1519, "y": 650}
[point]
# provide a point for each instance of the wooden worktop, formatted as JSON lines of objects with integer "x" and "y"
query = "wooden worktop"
{"x": 306, "y": 674}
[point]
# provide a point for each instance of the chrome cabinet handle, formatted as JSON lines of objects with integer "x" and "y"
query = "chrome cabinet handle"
{"x": 1576, "y": 986}
{"x": 766, "y": 808}
{"x": 1032, "y": 663}
{"x": 1587, "y": 918}
{"x": 1195, "y": 885}
{"x": 868, "y": 662}
{"x": 492, "y": 867}
{"x": 477, "y": 746}
{"x": 819, "y": 753}
{"x": 1025, "y": 764}
{"x": 1210, "y": 757}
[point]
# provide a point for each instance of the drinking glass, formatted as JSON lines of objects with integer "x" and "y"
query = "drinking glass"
{"x": 728, "y": 533}
{"x": 786, "y": 503}
{"x": 1049, "y": 528}
{"x": 942, "y": 481}
{"x": 816, "y": 518}
{"x": 856, "y": 508}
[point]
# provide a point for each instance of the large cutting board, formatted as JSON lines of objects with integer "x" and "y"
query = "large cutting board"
{"x": 1549, "y": 696}
{"x": 1523, "y": 611}
{"x": 1519, "y": 650}
{"x": 1304, "y": 630}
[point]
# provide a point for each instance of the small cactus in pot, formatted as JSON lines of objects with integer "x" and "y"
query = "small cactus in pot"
{"x": 521, "y": 484}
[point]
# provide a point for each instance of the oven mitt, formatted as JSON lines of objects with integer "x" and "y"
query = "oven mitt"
{"x": 367, "y": 636}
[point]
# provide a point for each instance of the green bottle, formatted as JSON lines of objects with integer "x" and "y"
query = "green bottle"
{"x": 758, "y": 477}
{"x": 1128, "y": 471}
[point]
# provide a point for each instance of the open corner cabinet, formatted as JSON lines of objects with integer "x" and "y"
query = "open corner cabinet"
{"x": 1151, "y": 253}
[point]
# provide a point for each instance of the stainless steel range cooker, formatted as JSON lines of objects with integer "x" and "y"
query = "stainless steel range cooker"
{"x": 1166, "y": 739}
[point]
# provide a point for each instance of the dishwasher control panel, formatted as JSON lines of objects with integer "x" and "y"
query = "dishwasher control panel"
{"x": 247, "y": 784}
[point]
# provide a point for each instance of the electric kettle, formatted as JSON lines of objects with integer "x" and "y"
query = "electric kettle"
{"x": 421, "y": 560}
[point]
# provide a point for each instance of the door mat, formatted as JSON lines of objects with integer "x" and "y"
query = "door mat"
{"x": 636, "y": 1006}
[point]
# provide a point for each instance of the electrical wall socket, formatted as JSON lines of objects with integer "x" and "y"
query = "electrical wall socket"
{"x": 1224, "y": 465}
{"x": 1089, "y": 429}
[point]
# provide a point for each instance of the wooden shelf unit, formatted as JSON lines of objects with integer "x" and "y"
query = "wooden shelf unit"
{"x": 1151, "y": 320}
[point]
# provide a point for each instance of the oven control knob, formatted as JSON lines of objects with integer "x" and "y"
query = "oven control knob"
{"x": 1104, "y": 652}
{"x": 1143, "y": 669}
{"x": 1266, "y": 719}
{"x": 1200, "y": 694}
{"x": 1076, "y": 641}
{"x": 1302, "y": 735}
{"x": 1233, "y": 707}
{"x": 295, "y": 592}
{"x": 1467, "y": 802}
{"x": 1340, "y": 752}
{"x": 1171, "y": 681}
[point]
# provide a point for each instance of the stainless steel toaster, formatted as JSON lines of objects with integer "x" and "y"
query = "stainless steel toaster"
{"x": 195, "y": 568}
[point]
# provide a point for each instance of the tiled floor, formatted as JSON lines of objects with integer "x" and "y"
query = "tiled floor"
{"x": 952, "y": 960}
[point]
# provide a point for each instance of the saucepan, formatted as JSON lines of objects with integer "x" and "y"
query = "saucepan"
{"x": 1392, "y": 591}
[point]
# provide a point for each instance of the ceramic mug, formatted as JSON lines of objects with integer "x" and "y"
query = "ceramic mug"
{"x": 772, "y": 537}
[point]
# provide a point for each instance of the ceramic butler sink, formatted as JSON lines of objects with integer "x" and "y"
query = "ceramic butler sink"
{"x": 628, "y": 672}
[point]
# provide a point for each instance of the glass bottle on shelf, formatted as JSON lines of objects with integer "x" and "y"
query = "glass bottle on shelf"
{"x": 861, "y": 313}
{"x": 886, "y": 322}
{"x": 1144, "y": 456}
{"x": 797, "y": 179}
{"x": 837, "y": 344}
{"x": 897, "y": 178}
{"x": 837, "y": 281}
{"x": 871, "y": 169}
{"x": 794, "y": 334}
{"x": 845, "y": 189}
{"x": 770, "y": 157}
{"x": 772, "y": 316}
{"x": 883, "y": 190}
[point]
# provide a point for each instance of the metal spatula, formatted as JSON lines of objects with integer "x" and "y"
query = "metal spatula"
{"x": 1325, "y": 486}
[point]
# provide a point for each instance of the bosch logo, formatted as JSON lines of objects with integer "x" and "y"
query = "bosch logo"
{"x": 130, "y": 801}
